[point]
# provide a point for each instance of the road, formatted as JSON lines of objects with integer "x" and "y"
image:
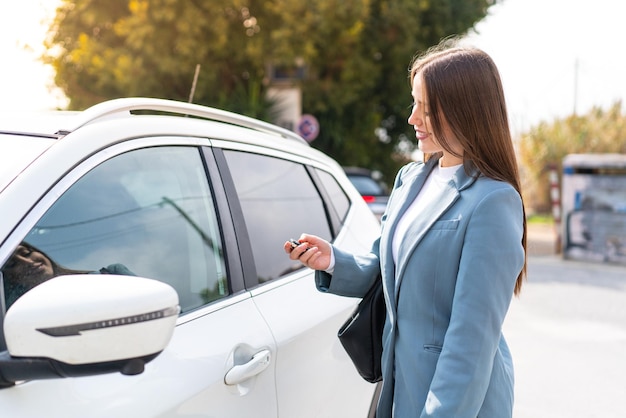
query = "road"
{"x": 567, "y": 333}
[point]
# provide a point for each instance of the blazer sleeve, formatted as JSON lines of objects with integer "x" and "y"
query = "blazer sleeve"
{"x": 353, "y": 274}
{"x": 491, "y": 260}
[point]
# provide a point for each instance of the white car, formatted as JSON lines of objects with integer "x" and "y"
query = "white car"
{"x": 143, "y": 273}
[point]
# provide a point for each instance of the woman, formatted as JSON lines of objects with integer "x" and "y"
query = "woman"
{"x": 452, "y": 250}
{"x": 29, "y": 266}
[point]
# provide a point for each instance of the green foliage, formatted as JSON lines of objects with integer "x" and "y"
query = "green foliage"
{"x": 545, "y": 146}
{"x": 355, "y": 54}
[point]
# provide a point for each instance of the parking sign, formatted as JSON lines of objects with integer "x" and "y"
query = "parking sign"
{"x": 308, "y": 127}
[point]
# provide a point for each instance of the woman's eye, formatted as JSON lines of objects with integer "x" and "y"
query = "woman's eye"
{"x": 24, "y": 252}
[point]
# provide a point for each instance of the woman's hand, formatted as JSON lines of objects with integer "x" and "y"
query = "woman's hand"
{"x": 314, "y": 252}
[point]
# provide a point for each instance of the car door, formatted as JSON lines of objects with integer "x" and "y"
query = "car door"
{"x": 147, "y": 207}
{"x": 282, "y": 196}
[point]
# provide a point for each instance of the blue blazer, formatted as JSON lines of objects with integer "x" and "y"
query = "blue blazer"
{"x": 443, "y": 350}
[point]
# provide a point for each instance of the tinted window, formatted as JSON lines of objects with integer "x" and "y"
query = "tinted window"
{"x": 279, "y": 201}
{"x": 147, "y": 212}
{"x": 338, "y": 199}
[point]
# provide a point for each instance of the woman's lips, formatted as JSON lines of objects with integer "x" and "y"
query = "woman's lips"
{"x": 421, "y": 135}
{"x": 37, "y": 267}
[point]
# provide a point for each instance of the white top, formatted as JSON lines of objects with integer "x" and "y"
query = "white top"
{"x": 436, "y": 181}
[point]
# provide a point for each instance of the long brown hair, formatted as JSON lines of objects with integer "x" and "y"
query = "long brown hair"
{"x": 464, "y": 92}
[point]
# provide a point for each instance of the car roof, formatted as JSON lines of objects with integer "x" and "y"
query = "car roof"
{"x": 31, "y": 134}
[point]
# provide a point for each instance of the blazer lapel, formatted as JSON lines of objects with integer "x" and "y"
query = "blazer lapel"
{"x": 404, "y": 196}
{"x": 401, "y": 199}
{"x": 416, "y": 232}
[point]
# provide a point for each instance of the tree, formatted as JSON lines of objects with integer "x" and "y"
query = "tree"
{"x": 103, "y": 50}
{"x": 545, "y": 146}
{"x": 355, "y": 54}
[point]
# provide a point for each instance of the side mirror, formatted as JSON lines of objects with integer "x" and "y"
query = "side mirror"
{"x": 87, "y": 324}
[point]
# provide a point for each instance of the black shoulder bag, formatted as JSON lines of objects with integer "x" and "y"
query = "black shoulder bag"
{"x": 361, "y": 335}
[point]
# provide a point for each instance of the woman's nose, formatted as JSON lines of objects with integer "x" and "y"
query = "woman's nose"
{"x": 414, "y": 118}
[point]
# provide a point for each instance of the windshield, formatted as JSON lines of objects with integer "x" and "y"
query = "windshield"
{"x": 16, "y": 153}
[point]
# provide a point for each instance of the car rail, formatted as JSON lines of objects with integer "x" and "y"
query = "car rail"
{"x": 119, "y": 107}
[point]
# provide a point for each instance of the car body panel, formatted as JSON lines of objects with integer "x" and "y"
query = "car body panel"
{"x": 307, "y": 341}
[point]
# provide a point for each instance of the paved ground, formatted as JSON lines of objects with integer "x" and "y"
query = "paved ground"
{"x": 542, "y": 239}
{"x": 567, "y": 333}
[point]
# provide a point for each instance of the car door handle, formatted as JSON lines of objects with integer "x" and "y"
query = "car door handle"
{"x": 242, "y": 372}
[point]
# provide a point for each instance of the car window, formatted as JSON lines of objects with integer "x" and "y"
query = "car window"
{"x": 366, "y": 185}
{"x": 147, "y": 212}
{"x": 337, "y": 197}
{"x": 279, "y": 201}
